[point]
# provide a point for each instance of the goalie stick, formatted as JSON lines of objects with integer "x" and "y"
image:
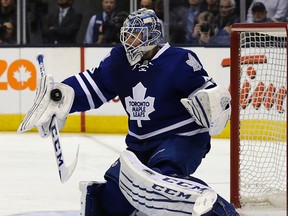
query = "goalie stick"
{"x": 64, "y": 171}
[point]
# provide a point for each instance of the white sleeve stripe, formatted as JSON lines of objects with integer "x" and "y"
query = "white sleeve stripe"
{"x": 85, "y": 89}
{"x": 95, "y": 87}
{"x": 194, "y": 132}
{"x": 204, "y": 86}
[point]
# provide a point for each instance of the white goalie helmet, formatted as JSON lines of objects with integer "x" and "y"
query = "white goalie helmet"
{"x": 141, "y": 32}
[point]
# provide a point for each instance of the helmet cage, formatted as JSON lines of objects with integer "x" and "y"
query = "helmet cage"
{"x": 135, "y": 35}
{"x": 145, "y": 27}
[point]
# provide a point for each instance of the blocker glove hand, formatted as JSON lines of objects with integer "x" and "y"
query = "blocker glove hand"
{"x": 210, "y": 108}
{"x": 52, "y": 100}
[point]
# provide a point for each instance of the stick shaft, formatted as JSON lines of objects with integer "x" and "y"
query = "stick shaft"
{"x": 40, "y": 59}
{"x": 64, "y": 172}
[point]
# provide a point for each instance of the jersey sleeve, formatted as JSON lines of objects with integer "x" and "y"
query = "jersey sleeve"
{"x": 93, "y": 87}
{"x": 191, "y": 75}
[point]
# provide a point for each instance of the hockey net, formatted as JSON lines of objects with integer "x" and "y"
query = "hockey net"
{"x": 259, "y": 115}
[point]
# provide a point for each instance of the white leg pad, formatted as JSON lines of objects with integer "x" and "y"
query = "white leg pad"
{"x": 204, "y": 203}
{"x": 156, "y": 194}
{"x": 138, "y": 213}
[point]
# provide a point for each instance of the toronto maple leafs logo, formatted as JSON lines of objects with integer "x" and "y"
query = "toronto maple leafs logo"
{"x": 139, "y": 107}
{"x": 192, "y": 62}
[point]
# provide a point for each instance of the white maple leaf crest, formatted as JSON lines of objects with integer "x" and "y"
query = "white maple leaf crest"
{"x": 192, "y": 62}
{"x": 22, "y": 75}
{"x": 139, "y": 107}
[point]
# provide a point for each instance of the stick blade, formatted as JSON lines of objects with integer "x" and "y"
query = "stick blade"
{"x": 66, "y": 172}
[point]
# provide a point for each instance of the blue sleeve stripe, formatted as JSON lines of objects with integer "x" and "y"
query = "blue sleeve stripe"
{"x": 195, "y": 111}
{"x": 95, "y": 87}
{"x": 203, "y": 112}
{"x": 85, "y": 89}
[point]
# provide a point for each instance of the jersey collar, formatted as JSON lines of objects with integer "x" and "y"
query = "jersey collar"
{"x": 162, "y": 50}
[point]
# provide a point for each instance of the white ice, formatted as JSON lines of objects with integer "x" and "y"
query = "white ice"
{"x": 30, "y": 185}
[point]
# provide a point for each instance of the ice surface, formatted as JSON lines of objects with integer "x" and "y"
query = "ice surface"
{"x": 30, "y": 185}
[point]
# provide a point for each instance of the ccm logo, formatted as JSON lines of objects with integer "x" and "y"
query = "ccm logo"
{"x": 180, "y": 184}
{"x": 58, "y": 151}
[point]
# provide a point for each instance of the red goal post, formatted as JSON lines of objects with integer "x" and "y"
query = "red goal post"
{"x": 258, "y": 125}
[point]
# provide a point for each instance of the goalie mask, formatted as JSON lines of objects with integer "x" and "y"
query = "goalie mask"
{"x": 141, "y": 32}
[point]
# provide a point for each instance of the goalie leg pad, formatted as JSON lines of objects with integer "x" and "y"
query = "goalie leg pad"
{"x": 222, "y": 207}
{"x": 156, "y": 194}
{"x": 138, "y": 213}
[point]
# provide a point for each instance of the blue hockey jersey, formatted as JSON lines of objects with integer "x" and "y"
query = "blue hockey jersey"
{"x": 149, "y": 91}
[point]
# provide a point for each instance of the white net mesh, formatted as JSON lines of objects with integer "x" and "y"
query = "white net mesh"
{"x": 263, "y": 64}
